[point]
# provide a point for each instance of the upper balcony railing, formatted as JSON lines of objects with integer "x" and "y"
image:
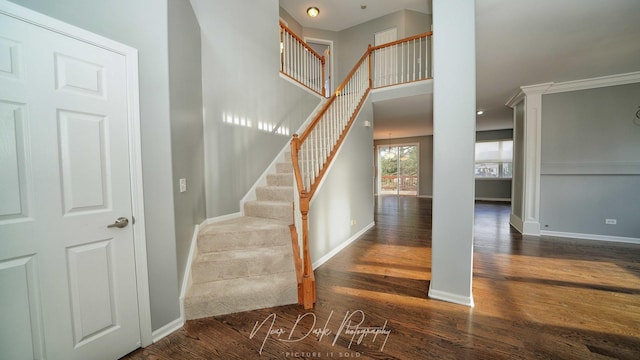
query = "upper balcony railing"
{"x": 300, "y": 62}
{"x": 402, "y": 61}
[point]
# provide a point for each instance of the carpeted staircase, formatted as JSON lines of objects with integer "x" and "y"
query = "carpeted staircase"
{"x": 247, "y": 263}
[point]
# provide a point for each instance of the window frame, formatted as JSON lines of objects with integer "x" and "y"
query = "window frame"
{"x": 501, "y": 164}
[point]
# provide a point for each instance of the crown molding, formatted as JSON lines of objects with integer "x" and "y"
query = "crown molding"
{"x": 603, "y": 81}
{"x": 574, "y": 85}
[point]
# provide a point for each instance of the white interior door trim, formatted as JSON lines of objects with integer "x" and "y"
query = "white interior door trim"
{"x": 332, "y": 64}
{"x": 135, "y": 152}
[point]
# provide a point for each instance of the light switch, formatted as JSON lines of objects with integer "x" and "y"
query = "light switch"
{"x": 183, "y": 185}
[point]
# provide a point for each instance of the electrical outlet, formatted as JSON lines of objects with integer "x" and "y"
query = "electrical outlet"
{"x": 610, "y": 221}
{"x": 183, "y": 185}
{"x": 353, "y": 222}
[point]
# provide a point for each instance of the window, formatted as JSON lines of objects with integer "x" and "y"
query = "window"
{"x": 494, "y": 159}
{"x": 398, "y": 169}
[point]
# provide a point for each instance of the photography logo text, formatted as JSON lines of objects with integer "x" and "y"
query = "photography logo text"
{"x": 352, "y": 328}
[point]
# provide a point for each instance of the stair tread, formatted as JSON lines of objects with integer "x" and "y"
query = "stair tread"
{"x": 243, "y": 232}
{"x": 243, "y": 254}
{"x": 270, "y": 202}
{"x": 249, "y": 285}
{"x": 278, "y": 187}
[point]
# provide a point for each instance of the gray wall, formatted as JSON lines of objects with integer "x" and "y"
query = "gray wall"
{"x": 494, "y": 189}
{"x": 143, "y": 25}
{"x": 346, "y": 193}
{"x": 241, "y": 82}
{"x": 187, "y": 141}
{"x": 590, "y": 161}
{"x": 291, "y": 23}
{"x": 425, "y": 175}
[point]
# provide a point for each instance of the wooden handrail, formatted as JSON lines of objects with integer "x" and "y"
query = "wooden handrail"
{"x": 301, "y": 68}
{"x": 302, "y": 42}
{"x": 407, "y": 39}
{"x": 333, "y": 97}
{"x": 306, "y": 286}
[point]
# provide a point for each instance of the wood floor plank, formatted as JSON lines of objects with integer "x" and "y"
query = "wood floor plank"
{"x": 535, "y": 298}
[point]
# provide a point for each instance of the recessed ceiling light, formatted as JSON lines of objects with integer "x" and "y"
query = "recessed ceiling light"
{"x": 313, "y": 11}
{"x": 479, "y": 112}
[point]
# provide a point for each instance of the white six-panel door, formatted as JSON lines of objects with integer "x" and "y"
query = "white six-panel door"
{"x": 67, "y": 281}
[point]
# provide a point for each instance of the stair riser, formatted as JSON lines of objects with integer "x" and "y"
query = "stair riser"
{"x": 284, "y": 168}
{"x": 280, "y": 180}
{"x": 232, "y": 296}
{"x": 238, "y": 268}
{"x": 284, "y": 193}
{"x": 243, "y": 240}
{"x": 282, "y": 212}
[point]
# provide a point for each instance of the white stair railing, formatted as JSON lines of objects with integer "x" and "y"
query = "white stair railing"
{"x": 300, "y": 62}
{"x": 402, "y": 61}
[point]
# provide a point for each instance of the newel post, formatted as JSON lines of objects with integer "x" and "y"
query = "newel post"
{"x": 308, "y": 279}
{"x": 308, "y": 291}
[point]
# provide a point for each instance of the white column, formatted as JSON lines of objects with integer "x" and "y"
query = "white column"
{"x": 454, "y": 124}
{"x": 532, "y": 138}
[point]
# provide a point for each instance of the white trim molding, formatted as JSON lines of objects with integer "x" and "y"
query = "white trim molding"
{"x": 609, "y": 238}
{"x": 186, "y": 278}
{"x": 493, "y": 199}
{"x": 532, "y": 154}
{"x": 449, "y": 297}
{"x": 341, "y": 247}
{"x": 592, "y": 83}
{"x": 220, "y": 218}
{"x": 135, "y": 154}
{"x": 532, "y": 97}
{"x": 328, "y": 92}
{"x": 516, "y": 222}
{"x": 168, "y": 329}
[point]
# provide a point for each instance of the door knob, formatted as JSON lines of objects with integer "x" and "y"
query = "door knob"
{"x": 119, "y": 223}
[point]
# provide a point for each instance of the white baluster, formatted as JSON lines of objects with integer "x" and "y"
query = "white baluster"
{"x": 413, "y": 42}
{"x": 419, "y": 57}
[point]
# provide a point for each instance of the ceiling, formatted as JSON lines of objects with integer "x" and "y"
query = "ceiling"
{"x": 517, "y": 43}
{"x": 336, "y": 15}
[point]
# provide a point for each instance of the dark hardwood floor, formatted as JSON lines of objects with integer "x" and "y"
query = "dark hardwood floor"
{"x": 535, "y": 298}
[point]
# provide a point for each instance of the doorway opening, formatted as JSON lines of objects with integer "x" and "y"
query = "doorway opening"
{"x": 398, "y": 166}
{"x": 324, "y": 48}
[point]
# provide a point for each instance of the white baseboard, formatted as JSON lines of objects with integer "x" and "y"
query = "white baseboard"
{"x": 493, "y": 199}
{"x": 340, "y": 247}
{"x": 167, "y": 329}
{"x": 425, "y": 196}
{"x": 186, "y": 279}
{"x": 531, "y": 228}
{"x": 516, "y": 222}
{"x": 562, "y": 234}
{"x": 449, "y": 297}
{"x": 220, "y": 218}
